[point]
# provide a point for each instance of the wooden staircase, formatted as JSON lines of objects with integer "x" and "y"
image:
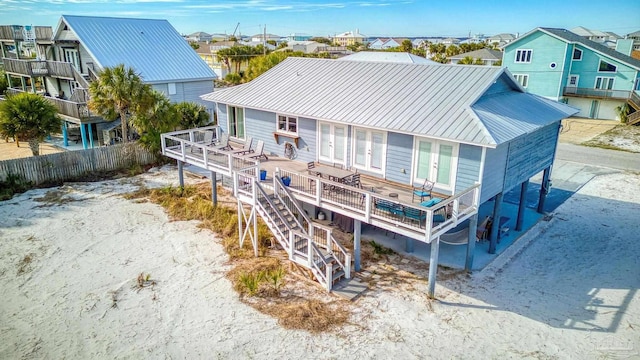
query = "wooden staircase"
{"x": 634, "y": 103}
{"x": 308, "y": 244}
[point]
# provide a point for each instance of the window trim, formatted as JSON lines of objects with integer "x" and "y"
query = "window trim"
{"x": 574, "y": 54}
{"x": 519, "y": 51}
{"x": 232, "y": 108}
{"x": 608, "y": 78}
{"x": 607, "y": 72}
{"x": 524, "y": 76}
{"x": 287, "y": 124}
{"x": 455, "y": 158}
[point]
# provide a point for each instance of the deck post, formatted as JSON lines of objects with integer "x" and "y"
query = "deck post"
{"x": 433, "y": 267}
{"x": 495, "y": 224}
{"x": 181, "y": 174}
{"x": 408, "y": 245}
{"x": 90, "y": 135}
{"x": 65, "y": 134}
{"x": 544, "y": 189}
{"x": 522, "y": 205}
{"x": 214, "y": 188}
{"x": 471, "y": 244}
{"x": 357, "y": 231}
{"x": 83, "y": 134}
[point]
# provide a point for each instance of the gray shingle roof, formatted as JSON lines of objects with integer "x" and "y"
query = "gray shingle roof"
{"x": 431, "y": 100}
{"x": 152, "y": 47}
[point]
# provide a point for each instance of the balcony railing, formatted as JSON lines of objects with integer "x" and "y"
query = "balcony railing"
{"x": 9, "y": 32}
{"x": 68, "y": 108}
{"x": 596, "y": 93}
{"x": 33, "y": 68}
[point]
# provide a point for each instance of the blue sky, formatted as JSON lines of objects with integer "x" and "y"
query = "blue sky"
{"x": 328, "y": 17}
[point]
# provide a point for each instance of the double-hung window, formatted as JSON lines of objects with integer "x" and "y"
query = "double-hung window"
{"x": 523, "y": 55}
{"x": 287, "y": 124}
{"x": 522, "y": 79}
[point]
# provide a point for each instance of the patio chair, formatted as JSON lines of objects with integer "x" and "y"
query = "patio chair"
{"x": 310, "y": 166}
{"x": 223, "y": 142}
{"x": 258, "y": 152}
{"x": 415, "y": 215}
{"x": 246, "y": 149}
{"x": 354, "y": 180}
{"x": 422, "y": 191}
{"x": 208, "y": 137}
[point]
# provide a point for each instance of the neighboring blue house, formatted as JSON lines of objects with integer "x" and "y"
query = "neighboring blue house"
{"x": 563, "y": 66}
{"x": 83, "y": 45}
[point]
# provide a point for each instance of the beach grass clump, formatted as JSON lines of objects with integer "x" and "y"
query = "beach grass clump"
{"x": 13, "y": 184}
{"x": 311, "y": 315}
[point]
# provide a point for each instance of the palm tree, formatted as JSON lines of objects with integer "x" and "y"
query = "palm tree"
{"x": 191, "y": 115}
{"x": 155, "y": 116}
{"x": 119, "y": 91}
{"x": 30, "y": 117}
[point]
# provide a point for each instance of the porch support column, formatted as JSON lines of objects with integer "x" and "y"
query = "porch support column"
{"x": 495, "y": 224}
{"x": 214, "y": 188}
{"x": 471, "y": 245}
{"x": 544, "y": 189}
{"x": 181, "y": 174}
{"x": 408, "y": 245}
{"x": 433, "y": 267}
{"x": 522, "y": 205}
{"x": 357, "y": 231}
{"x": 90, "y": 135}
{"x": 83, "y": 134}
{"x": 65, "y": 134}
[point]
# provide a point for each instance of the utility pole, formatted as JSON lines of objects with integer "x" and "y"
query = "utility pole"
{"x": 264, "y": 41}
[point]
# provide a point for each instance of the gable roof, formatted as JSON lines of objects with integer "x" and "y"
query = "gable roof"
{"x": 153, "y": 48}
{"x": 385, "y": 56}
{"x": 484, "y": 54}
{"x": 572, "y": 38}
{"x": 428, "y": 100}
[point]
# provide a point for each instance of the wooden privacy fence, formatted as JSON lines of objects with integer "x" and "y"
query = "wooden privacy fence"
{"x": 71, "y": 165}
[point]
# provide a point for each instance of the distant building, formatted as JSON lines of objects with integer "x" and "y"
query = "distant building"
{"x": 267, "y": 37}
{"x": 306, "y": 47}
{"x": 635, "y": 36}
{"x": 349, "y": 38}
{"x": 489, "y": 57}
{"x": 387, "y": 57}
{"x": 298, "y": 37}
{"x": 607, "y": 38}
{"x": 386, "y": 43}
{"x": 199, "y": 36}
{"x": 563, "y": 66}
{"x": 501, "y": 39}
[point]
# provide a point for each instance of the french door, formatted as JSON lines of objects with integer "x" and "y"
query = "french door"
{"x": 72, "y": 56}
{"x": 333, "y": 143}
{"x": 369, "y": 150}
{"x": 436, "y": 161}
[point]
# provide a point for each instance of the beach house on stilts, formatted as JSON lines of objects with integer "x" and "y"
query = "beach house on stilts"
{"x": 413, "y": 149}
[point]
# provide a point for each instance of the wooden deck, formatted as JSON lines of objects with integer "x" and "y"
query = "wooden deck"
{"x": 370, "y": 204}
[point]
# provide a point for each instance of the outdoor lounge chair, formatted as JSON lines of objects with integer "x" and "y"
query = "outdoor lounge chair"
{"x": 246, "y": 148}
{"x": 223, "y": 143}
{"x": 258, "y": 152}
{"x": 422, "y": 191}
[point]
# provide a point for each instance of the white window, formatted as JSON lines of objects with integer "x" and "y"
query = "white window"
{"x": 235, "y": 118}
{"x": 573, "y": 80}
{"x": 577, "y": 54}
{"x": 522, "y": 79}
{"x": 369, "y": 150}
{"x": 606, "y": 67}
{"x": 288, "y": 124}
{"x": 604, "y": 83}
{"x": 523, "y": 55}
{"x": 172, "y": 88}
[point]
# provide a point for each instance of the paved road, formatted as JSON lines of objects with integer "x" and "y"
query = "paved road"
{"x": 614, "y": 159}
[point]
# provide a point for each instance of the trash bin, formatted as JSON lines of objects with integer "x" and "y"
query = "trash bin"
{"x": 263, "y": 175}
{"x": 286, "y": 180}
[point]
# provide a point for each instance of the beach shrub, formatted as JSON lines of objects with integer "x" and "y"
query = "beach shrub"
{"x": 13, "y": 184}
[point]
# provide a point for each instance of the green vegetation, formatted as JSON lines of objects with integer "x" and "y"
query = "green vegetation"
{"x": 623, "y": 112}
{"x": 13, "y": 184}
{"x": 4, "y": 84}
{"x": 30, "y": 117}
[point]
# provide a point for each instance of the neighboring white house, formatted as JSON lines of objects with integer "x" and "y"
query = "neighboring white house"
{"x": 489, "y": 57}
{"x": 387, "y": 57}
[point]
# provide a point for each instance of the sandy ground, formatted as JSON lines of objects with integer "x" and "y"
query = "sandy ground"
{"x": 567, "y": 290}
{"x": 9, "y": 150}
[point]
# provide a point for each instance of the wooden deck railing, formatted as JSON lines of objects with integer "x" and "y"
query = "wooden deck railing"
{"x": 72, "y": 109}
{"x": 11, "y": 32}
{"x": 415, "y": 221}
{"x": 42, "y": 68}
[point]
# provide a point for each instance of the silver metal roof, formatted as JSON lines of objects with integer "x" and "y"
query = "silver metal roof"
{"x": 386, "y": 56}
{"x": 429, "y": 100}
{"x": 152, "y": 47}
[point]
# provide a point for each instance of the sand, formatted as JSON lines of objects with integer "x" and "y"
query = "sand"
{"x": 568, "y": 289}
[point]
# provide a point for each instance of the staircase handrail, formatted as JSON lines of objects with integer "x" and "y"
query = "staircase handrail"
{"x": 345, "y": 259}
{"x": 79, "y": 78}
{"x": 295, "y": 203}
{"x": 261, "y": 191}
{"x": 324, "y": 275}
{"x": 634, "y": 97}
